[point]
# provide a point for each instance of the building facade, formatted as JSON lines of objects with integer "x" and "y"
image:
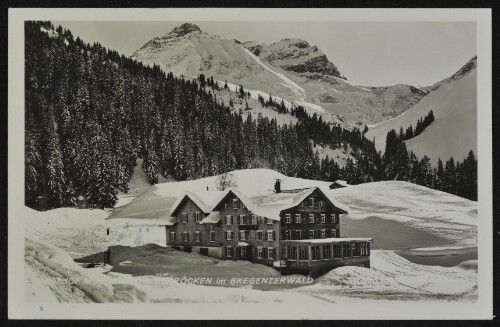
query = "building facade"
{"x": 295, "y": 231}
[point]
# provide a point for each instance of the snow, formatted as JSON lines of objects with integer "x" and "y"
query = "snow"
{"x": 212, "y": 218}
{"x": 454, "y": 130}
{"x": 392, "y": 277}
{"x": 294, "y": 87}
{"x": 243, "y": 244}
{"x": 399, "y": 212}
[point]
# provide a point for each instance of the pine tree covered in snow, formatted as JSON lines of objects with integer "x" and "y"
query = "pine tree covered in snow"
{"x": 90, "y": 113}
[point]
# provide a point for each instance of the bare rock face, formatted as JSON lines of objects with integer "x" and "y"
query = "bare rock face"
{"x": 295, "y": 55}
{"x": 185, "y": 28}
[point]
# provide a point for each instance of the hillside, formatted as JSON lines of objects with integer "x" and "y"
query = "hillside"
{"x": 290, "y": 69}
{"x": 399, "y": 215}
{"x": 454, "y": 131}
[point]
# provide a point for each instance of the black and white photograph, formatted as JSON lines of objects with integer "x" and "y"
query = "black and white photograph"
{"x": 326, "y": 164}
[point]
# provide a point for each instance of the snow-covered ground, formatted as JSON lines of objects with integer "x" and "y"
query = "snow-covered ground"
{"x": 413, "y": 218}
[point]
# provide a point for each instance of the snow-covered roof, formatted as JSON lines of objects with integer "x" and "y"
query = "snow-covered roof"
{"x": 167, "y": 220}
{"x": 271, "y": 205}
{"x": 341, "y": 183}
{"x": 243, "y": 244}
{"x": 268, "y": 205}
{"x": 331, "y": 240}
{"x": 204, "y": 200}
{"x": 212, "y": 218}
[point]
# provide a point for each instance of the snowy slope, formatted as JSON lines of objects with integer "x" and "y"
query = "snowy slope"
{"x": 290, "y": 69}
{"x": 454, "y": 131}
{"x": 399, "y": 215}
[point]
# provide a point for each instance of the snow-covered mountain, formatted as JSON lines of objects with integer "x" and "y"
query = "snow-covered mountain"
{"x": 454, "y": 130}
{"x": 290, "y": 69}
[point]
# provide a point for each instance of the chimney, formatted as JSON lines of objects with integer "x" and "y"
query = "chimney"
{"x": 277, "y": 186}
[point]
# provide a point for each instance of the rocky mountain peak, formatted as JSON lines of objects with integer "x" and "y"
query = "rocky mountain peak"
{"x": 186, "y": 28}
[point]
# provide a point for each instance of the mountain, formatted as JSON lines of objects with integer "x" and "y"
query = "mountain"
{"x": 290, "y": 69}
{"x": 454, "y": 131}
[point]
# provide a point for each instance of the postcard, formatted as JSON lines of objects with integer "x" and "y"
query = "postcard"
{"x": 250, "y": 164}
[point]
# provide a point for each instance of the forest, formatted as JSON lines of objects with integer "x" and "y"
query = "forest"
{"x": 90, "y": 113}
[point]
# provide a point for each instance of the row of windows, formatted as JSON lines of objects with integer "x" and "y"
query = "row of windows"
{"x": 197, "y": 216}
{"x": 262, "y": 252}
{"x": 308, "y": 234}
{"x": 186, "y": 236}
{"x": 326, "y": 251}
{"x": 246, "y": 220}
{"x": 311, "y": 218}
{"x": 269, "y": 235}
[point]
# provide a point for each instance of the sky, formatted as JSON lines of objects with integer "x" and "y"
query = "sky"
{"x": 366, "y": 53}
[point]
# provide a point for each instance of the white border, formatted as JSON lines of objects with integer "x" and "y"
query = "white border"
{"x": 17, "y": 308}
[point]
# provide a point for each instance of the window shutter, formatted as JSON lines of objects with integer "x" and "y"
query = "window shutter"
{"x": 274, "y": 235}
{"x": 231, "y": 218}
{"x": 238, "y": 220}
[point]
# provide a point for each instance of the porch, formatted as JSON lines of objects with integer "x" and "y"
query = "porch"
{"x": 318, "y": 256}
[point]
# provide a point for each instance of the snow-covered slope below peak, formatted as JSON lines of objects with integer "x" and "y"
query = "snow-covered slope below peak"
{"x": 295, "y": 55}
{"x": 454, "y": 130}
{"x": 290, "y": 69}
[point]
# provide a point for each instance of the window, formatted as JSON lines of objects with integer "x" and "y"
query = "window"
{"x": 297, "y": 218}
{"x": 286, "y": 235}
{"x": 229, "y": 251}
{"x": 311, "y": 218}
{"x": 185, "y": 236}
{"x": 356, "y": 249}
{"x": 242, "y": 235}
{"x": 321, "y": 204}
{"x": 297, "y": 235}
{"x": 236, "y": 203}
{"x": 270, "y": 235}
{"x": 242, "y": 220}
{"x": 315, "y": 252}
{"x": 346, "y": 249}
{"x": 197, "y": 216}
{"x": 270, "y": 253}
{"x": 172, "y": 236}
{"x": 184, "y": 217}
{"x": 243, "y": 205}
{"x": 327, "y": 252}
{"x": 288, "y": 218}
{"x": 323, "y": 218}
{"x": 334, "y": 233}
{"x": 311, "y": 234}
{"x": 310, "y": 202}
{"x": 229, "y": 235}
{"x": 337, "y": 251}
{"x": 269, "y": 221}
{"x": 292, "y": 252}
{"x": 259, "y": 252}
{"x": 332, "y": 218}
{"x": 252, "y": 220}
{"x": 226, "y": 205}
{"x": 323, "y": 233}
{"x": 260, "y": 235}
{"x": 229, "y": 220}
{"x": 197, "y": 236}
{"x": 303, "y": 253}
{"x": 212, "y": 236}
{"x": 365, "y": 248}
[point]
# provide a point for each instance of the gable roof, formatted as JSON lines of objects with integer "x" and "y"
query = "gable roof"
{"x": 203, "y": 200}
{"x": 271, "y": 205}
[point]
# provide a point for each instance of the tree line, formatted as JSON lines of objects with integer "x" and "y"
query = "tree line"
{"x": 91, "y": 112}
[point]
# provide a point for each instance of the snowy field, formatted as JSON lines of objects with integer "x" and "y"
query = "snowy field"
{"x": 144, "y": 271}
